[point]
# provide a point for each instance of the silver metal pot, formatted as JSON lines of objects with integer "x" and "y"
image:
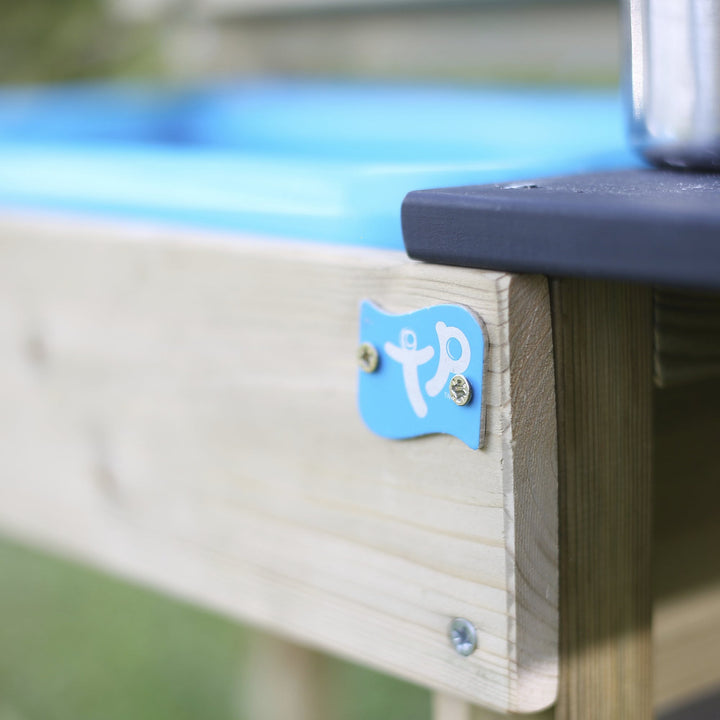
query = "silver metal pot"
{"x": 673, "y": 80}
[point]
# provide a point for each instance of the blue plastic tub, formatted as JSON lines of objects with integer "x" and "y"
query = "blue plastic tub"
{"x": 327, "y": 162}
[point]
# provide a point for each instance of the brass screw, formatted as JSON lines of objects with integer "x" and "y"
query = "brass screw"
{"x": 368, "y": 357}
{"x": 460, "y": 390}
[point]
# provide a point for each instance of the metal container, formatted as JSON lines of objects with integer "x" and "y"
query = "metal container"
{"x": 673, "y": 80}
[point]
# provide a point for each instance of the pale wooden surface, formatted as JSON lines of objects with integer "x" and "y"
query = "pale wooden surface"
{"x": 451, "y": 708}
{"x": 285, "y": 682}
{"x": 686, "y": 560}
{"x": 603, "y": 357}
{"x": 446, "y": 707}
{"x": 687, "y": 337}
{"x": 181, "y": 409}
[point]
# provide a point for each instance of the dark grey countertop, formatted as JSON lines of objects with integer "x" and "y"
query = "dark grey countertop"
{"x": 649, "y": 226}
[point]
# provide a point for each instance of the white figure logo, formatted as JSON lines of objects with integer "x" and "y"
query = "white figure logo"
{"x": 411, "y": 358}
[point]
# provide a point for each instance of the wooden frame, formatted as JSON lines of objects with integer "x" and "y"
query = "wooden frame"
{"x": 137, "y": 425}
{"x": 603, "y": 355}
{"x": 180, "y": 408}
{"x": 603, "y": 349}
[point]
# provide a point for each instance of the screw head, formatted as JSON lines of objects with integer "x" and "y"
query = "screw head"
{"x": 460, "y": 390}
{"x": 368, "y": 357}
{"x": 463, "y": 636}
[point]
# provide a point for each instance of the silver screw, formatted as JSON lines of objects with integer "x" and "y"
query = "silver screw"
{"x": 463, "y": 636}
{"x": 368, "y": 357}
{"x": 460, "y": 390}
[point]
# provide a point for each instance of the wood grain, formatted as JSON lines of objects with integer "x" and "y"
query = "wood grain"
{"x": 603, "y": 356}
{"x": 451, "y": 708}
{"x": 180, "y": 409}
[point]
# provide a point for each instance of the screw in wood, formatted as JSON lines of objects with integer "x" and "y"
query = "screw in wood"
{"x": 463, "y": 636}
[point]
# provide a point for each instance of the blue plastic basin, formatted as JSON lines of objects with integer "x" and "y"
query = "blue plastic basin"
{"x": 328, "y": 162}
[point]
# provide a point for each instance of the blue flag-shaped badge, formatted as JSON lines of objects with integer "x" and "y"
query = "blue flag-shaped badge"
{"x": 422, "y": 372}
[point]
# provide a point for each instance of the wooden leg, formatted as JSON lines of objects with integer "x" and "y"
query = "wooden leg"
{"x": 446, "y": 707}
{"x": 602, "y": 333}
{"x": 283, "y": 682}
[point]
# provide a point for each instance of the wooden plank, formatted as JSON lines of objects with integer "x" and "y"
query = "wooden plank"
{"x": 180, "y": 409}
{"x": 686, "y": 535}
{"x": 446, "y": 707}
{"x": 603, "y": 356}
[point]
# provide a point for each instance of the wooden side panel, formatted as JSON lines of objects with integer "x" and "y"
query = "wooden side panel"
{"x": 181, "y": 409}
{"x": 533, "y": 562}
{"x": 604, "y": 384}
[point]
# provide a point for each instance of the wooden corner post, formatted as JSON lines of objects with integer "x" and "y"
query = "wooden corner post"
{"x": 603, "y": 360}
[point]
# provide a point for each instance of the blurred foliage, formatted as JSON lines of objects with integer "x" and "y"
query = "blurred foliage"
{"x": 60, "y": 40}
{"x": 79, "y": 645}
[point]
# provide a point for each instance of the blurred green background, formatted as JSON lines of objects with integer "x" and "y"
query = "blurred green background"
{"x": 49, "y": 41}
{"x": 516, "y": 41}
{"x": 78, "y": 645}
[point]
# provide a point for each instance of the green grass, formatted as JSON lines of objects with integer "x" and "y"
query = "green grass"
{"x": 46, "y": 41}
{"x": 78, "y": 645}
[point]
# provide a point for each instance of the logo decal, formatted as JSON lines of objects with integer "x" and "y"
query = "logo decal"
{"x": 427, "y": 372}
